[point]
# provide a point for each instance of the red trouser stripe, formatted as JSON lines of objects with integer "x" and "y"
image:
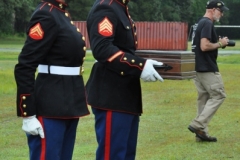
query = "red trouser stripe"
{"x": 108, "y": 135}
{"x": 43, "y": 141}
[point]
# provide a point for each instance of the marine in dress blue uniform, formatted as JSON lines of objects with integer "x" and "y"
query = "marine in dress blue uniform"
{"x": 52, "y": 103}
{"x": 113, "y": 89}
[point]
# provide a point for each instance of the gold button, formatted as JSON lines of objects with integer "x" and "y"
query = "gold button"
{"x": 125, "y": 58}
{"x": 135, "y": 33}
{"x": 133, "y": 61}
{"x": 23, "y": 97}
{"x": 66, "y": 14}
{"x": 71, "y": 22}
{"x": 140, "y": 64}
{"x": 60, "y": 5}
{"x": 25, "y": 113}
{"x": 136, "y": 42}
{"x": 128, "y": 27}
{"x": 83, "y": 38}
{"x": 122, "y": 73}
{"x": 129, "y": 16}
{"x": 78, "y": 29}
{"x": 49, "y": 4}
{"x": 24, "y": 106}
{"x": 84, "y": 48}
{"x": 133, "y": 25}
{"x": 81, "y": 70}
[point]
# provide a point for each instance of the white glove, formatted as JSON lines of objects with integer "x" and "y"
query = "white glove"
{"x": 149, "y": 73}
{"x": 32, "y": 126}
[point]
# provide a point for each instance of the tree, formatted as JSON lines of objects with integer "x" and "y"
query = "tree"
{"x": 231, "y": 17}
{"x": 15, "y": 14}
{"x": 160, "y": 10}
{"x": 7, "y": 16}
{"x": 79, "y": 9}
{"x": 140, "y": 10}
{"x": 23, "y": 12}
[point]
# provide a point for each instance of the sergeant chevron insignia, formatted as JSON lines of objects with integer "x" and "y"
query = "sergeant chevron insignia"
{"x": 105, "y": 27}
{"x": 36, "y": 32}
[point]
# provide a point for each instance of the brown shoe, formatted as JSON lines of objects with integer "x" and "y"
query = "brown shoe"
{"x": 202, "y": 135}
{"x": 210, "y": 139}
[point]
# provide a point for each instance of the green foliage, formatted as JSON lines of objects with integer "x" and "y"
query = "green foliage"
{"x": 140, "y": 10}
{"x": 7, "y": 16}
{"x": 157, "y": 10}
{"x": 197, "y": 10}
{"x": 15, "y": 14}
{"x": 23, "y": 12}
{"x": 234, "y": 10}
{"x": 79, "y": 9}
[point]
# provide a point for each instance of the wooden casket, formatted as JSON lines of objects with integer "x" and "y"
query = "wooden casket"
{"x": 182, "y": 63}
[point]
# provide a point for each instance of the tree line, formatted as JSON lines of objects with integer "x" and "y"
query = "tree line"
{"x": 15, "y": 14}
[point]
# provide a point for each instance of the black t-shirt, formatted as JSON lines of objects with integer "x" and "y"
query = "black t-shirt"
{"x": 204, "y": 61}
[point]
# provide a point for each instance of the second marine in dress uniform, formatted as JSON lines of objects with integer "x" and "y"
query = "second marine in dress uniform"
{"x": 52, "y": 104}
{"x": 113, "y": 89}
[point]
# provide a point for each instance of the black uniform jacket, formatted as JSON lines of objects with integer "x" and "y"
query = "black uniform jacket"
{"x": 52, "y": 39}
{"x": 114, "y": 83}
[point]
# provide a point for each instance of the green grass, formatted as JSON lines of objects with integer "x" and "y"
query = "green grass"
{"x": 169, "y": 107}
{"x": 12, "y": 42}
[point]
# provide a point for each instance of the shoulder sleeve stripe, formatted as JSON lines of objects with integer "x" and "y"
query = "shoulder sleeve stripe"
{"x": 115, "y": 56}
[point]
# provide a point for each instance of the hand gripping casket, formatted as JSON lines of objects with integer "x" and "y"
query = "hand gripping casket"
{"x": 179, "y": 65}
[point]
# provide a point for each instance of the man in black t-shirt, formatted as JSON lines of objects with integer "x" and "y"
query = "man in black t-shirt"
{"x": 208, "y": 80}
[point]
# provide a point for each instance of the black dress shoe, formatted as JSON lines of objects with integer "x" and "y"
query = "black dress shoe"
{"x": 202, "y": 135}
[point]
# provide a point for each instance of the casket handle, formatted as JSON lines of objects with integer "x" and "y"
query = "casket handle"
{"x": 165, "y": 66}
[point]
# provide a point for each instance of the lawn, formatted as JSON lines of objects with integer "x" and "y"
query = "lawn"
{"x": 169, "y": 107}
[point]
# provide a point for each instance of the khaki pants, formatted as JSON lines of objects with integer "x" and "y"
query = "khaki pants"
{"x": 210, "y": 96}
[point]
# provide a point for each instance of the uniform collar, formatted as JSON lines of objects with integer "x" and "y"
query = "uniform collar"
{"x": 57, "y": 3}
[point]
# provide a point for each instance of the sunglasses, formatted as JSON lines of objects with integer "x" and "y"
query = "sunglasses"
{"x": 219, "y": 10}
